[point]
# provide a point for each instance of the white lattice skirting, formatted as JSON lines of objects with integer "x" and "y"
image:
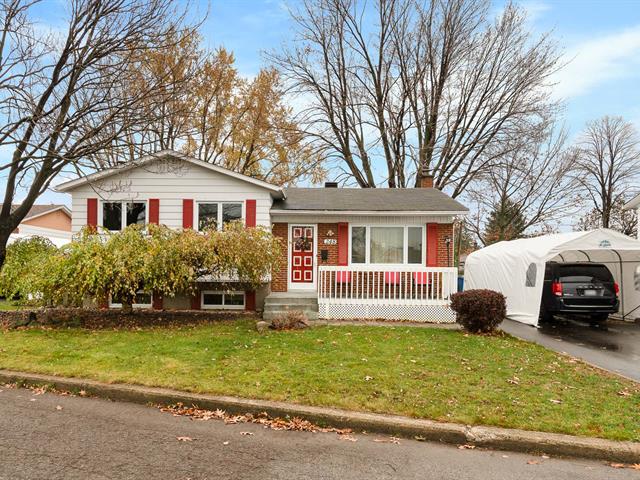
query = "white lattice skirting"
{"x": 416, "y": 313}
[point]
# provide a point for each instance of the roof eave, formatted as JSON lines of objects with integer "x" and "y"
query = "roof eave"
{"x": 367, "y": 212}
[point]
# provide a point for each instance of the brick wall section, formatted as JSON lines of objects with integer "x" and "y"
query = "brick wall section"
{"x": 279, "y": 278}
{"x": 445, "y": 230}
{"x": 323, "y": 232}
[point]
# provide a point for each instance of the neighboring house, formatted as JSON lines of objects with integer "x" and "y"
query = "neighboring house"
{"x": 50, "y": 221}
{"x": 350, "y": 252}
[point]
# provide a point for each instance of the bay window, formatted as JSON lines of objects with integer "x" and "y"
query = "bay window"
{"x": 217, "y": 214}
{"x": 117, "y": 215}
{"x": 387, "y": 244}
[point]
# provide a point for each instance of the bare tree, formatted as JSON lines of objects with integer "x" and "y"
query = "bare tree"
{"x": 438, "y": 89}
{"x": 62, "y": 97}
{"x": 527, "y": 188}
{"x": 607, "y": 164}
{"x": 620, "y": 219}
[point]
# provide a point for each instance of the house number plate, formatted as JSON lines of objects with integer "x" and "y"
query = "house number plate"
{"x": 330, "y": 241}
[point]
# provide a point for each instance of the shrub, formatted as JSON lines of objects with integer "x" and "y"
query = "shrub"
{"x": 479, "y": 311}
{"x": 24, "y": 268}
{"x": 159, "y": 260}
{"x": 292, "y": 320}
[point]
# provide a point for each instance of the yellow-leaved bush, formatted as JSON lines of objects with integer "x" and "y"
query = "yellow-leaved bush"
{"x": 160, "y": 260}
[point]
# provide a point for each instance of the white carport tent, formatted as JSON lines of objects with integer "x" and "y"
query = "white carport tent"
{"x": 511, "y": 267}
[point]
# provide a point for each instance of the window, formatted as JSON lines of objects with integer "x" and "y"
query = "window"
{"x": 387, "y": 244}
{"x": 217, "y": 214}
{"x": 358, "y": 244}
{"x": 142, "y": 300}
{"x": 532, "y": 271}
{"x": 207, "y": 216}
{"x": 222, "y": 300}
{"x": 414, "y": 245}
{"x": 115, "y": 215}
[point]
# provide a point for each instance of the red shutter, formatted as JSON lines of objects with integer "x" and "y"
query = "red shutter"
{"x": 92, "y": 212}
{"x": 187, "y": 214}
{"x": 154, "y": 211}
{"x": 432, "y": 244}
{"x": 156, "y": 301}
{"x": 250, "y": 213}
{"x": 343, "y": 244}
{"x": 195, "y": 301}
{"x": 250, "y": 300}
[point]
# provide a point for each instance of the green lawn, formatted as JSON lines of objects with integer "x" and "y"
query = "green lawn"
{"x": 427, "y": 373}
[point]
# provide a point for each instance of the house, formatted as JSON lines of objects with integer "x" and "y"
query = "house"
{"x": 378, "y": 253}
{"x": 50, "y": 221}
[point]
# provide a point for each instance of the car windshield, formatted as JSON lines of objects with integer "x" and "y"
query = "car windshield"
{"x": 584, "y": 274}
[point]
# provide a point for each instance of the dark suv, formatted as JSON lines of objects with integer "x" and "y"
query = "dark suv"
{"x": 582, "y": 289}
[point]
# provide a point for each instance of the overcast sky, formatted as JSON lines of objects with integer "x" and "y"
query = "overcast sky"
{"x": 600, "y": 40}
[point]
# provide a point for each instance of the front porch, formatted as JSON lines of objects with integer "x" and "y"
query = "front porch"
{"x": 414, "y": 293}
{"x": 405, "y": 292}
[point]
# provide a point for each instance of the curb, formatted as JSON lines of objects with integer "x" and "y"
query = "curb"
{"x": 486, "y": 437}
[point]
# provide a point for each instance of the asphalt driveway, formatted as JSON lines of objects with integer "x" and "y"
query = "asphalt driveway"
{"x": 614, "y": 346}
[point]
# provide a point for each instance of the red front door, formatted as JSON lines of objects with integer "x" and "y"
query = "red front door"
{"x": 301, "y": 254}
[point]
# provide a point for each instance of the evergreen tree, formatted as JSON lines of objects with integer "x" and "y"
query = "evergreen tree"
{"x": 506, "y": 222}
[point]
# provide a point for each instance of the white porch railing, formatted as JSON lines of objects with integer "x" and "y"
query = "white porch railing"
{"x": 395, "y": 292}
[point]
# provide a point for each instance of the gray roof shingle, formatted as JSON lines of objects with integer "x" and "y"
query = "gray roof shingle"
{"x": 368, "y": 199}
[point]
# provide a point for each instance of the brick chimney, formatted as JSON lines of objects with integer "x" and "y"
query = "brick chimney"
{"x": 426, "y": 179}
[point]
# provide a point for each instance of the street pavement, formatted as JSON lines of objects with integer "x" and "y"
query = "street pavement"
{"x": 615, "y": 346}
{"x": 50, "y": 436}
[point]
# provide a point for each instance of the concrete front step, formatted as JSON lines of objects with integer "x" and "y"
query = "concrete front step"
{"x": 297, "y": 302}
{"x": 278, "y": 304}
{"x": 291, "y": 306}
{"x": 270, "y": 314}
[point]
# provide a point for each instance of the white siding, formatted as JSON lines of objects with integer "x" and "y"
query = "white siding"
{"x": 363, "y": 219}
{"x": 170, "y": 185}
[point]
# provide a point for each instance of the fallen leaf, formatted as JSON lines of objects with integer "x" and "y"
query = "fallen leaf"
{"x": 533, "y": 462}
{"x": 367, "y": 378}
{"x": 624, "y": 393}
{"x": 82, "y": 393}
{"x": 617, "y": 465}
{"x": 58, "y": 407}
{"x": 635, "y": 466}
{"x": 32, "y": 399}
{"x": 347, "y": 437}
{"x": 466, "y": 447}
{"x": 393, "y": 440}
{"x": 246, "y": 433}
{"x": 545, "y": 456}
{"x": 225, "y": 443}
{"x": 553, "y": 400}
{"x": 184, "y": 439}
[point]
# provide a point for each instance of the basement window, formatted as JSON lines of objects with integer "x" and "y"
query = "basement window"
{"x": 211, "y": 299}
{"x": 142, "y": 300}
